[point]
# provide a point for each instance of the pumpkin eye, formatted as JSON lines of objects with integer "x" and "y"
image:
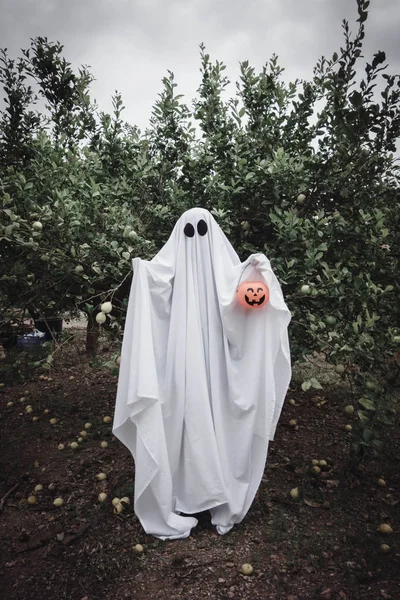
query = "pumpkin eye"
{"x": 202, "y": 227}
{"x": 250, "y": 290}
{"x": 189, "y": 230}
{"x": 259, "y": 289}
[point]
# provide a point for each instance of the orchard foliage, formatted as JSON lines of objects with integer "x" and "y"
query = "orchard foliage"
{"x": 303, "y": 171}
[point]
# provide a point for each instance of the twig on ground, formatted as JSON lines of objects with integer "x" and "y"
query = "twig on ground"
{"x": 4, "y": 498}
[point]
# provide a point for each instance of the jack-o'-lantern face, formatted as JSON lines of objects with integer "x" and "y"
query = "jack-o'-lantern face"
{"x": 253, "y": 294}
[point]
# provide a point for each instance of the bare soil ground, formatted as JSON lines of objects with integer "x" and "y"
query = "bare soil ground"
{"x": 324, "y": 545}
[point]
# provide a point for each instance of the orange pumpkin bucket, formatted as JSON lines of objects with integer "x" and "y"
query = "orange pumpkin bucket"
{"x": 252, "y": 294}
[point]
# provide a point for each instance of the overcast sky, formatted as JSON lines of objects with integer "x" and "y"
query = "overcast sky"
{"x": 130, "y": 44}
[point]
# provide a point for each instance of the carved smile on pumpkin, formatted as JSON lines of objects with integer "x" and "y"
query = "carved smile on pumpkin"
{"x": 253, "y": 298}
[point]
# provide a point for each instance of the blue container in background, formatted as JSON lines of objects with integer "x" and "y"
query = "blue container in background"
{"x": 29, "y": 340}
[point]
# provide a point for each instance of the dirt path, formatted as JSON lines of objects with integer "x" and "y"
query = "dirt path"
{"x": 324, "y": 545}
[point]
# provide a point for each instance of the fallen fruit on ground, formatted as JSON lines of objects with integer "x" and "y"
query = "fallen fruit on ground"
{"x": 88, "y": 425}
{"x": 347, "y": 427}
{"x": 138, "y": 548}
{"x": 385, "y": 528}
{"x": 115, "y": 501}
{"x": 58, "y": 502}
{"x": 104, "y": 444}
{"x": 125, "y": 499}
{"x": 385, "y": 548}
{"x": 80, "y": 439}
{"x": 316, "y": 470}
{"x": 74, "y": 445}
{"x": 107, "y": 419}
{"x": 10, "y": 404}
{"x": 53, "y": 421}
{"x": 32, "y": 500}
{"x": 246, "y": 569}
{"x": 101, "y": 476}
{"x": 118, "y": 508}
{"x": 83, "y": 433}
{"x": 294, "y": 493}
{"x": 349, "y": 409}
{"x": 381, "y": 482}
{"x": 315, "y": 462}
{"x": 292, "y": 422}
{"x": 292, "y": 402}
{"x": 38, "y": 487}
{"x": 61, "y": 446}
{"x": 34, "y": 419}
{"x": 102, "y": 497}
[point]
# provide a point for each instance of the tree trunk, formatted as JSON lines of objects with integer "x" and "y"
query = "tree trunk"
{"x": 92, "y": 336}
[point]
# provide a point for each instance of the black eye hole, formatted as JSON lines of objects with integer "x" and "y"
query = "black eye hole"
{"x": 189, "y": 230}
{"x": 202, "y": 227}
{"x": 259, "y": 289}
{"x": 250, "y": 290}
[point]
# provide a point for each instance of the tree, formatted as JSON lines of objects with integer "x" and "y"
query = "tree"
{"x": 303, "y": 171}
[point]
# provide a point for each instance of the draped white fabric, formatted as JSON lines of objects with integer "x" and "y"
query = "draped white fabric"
{"x": 202, "y": 380}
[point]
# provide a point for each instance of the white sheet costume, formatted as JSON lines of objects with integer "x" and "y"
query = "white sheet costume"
{"x": 202, "y": 380}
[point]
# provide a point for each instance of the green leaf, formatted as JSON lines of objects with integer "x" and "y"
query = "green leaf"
{"x": 368, "y": 434}
{"x": 356, "y": 99}
{"x": 315, "y": 384}
{"x": 367, "y": 403}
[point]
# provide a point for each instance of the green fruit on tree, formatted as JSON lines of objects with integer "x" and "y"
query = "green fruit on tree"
{"x": 305, "y": 289}
{"x": 331, "y": 320}
{"x": 37, "y": 226}
{"x": 101, "y": 318}
{"x": 340, "y": 369}
{"x": 132, "y": 235}
{"x": 106, "y": 307}
{"x": 300, "y": 199}
{"x": 79, "y": 269}
{"x": 349, "y": 409}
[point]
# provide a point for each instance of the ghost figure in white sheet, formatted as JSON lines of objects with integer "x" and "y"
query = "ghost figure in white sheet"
{"x": 202, "y": 380}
